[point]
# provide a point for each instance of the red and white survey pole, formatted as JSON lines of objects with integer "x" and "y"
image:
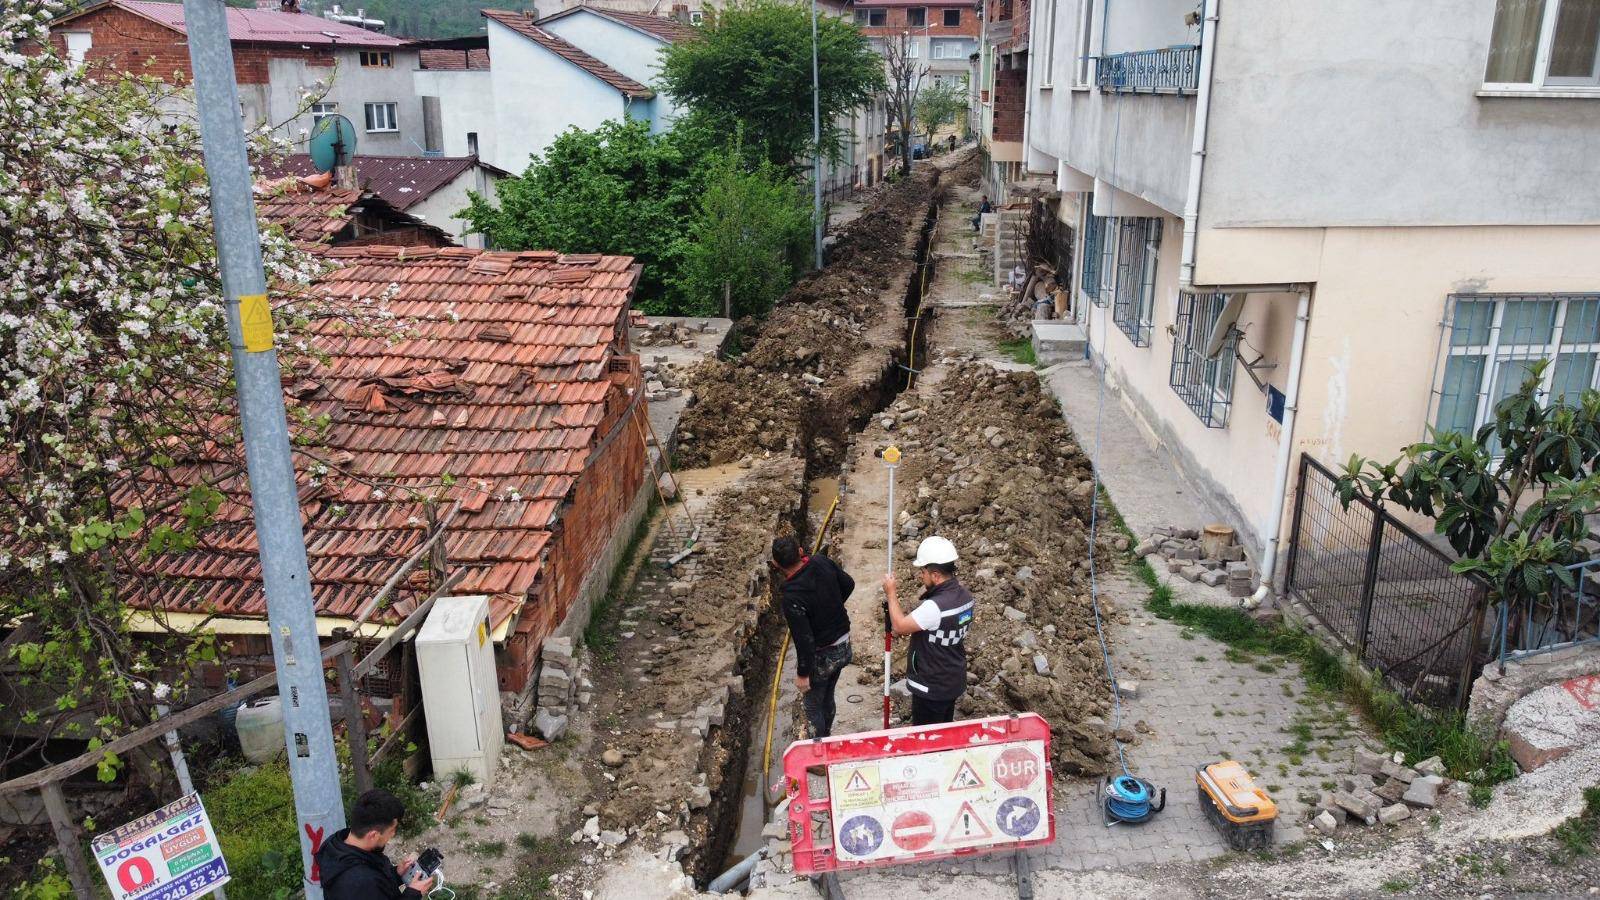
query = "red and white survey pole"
{"x": 891, "y": 460}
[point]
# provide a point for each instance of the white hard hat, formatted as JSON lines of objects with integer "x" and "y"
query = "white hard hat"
{"x": 934, "y": 550}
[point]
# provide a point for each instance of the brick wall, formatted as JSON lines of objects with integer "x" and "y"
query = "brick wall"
{"x": 123, "y": 42}
{"x": 1010, "y": 99}
{"x": 598, "y": 504}
{"x": 900, "y": 20}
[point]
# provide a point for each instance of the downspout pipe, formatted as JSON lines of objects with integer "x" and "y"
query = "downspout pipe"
{"x": 1280, "y": 472}
{"x": 1197, "y": 151}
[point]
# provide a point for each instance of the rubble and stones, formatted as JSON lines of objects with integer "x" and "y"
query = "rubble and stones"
{"x": 1019, "y": 515}
{"x": 1215, "y": 559}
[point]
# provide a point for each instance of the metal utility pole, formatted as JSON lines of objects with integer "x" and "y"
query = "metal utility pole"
{"x": 816, "y": 137}
{"x": 296, "y": 654}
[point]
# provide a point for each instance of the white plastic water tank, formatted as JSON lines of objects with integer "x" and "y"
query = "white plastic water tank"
{"x": 460, "y": 693}
{"x": 260, "y": 727}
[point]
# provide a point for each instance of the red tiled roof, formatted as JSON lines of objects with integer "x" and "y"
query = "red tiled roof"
{"x": 523, "y": 24}
{"x": 312, "y": 211}
{"x": 455, "y": 60}
{"x": 263, "y": 26}
{"x": 499, "y": 384}
{"x": 669, "y": 30}
{"x": 400, "y": 181}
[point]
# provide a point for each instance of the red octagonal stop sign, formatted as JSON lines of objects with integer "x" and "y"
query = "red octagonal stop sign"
{"x": 1016, "y": 768}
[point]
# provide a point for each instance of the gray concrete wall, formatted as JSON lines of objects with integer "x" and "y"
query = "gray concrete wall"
{"x": 633, "y": 53}
{"x": 442, "y": 205}
{"x": 351, "y": 87}
{"x": 1366, "y": 113}
{"x": 466, "y": 106}
{"x": 538, "y": 96}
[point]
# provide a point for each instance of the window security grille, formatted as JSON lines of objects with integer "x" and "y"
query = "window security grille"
{"x": 1204, "y": 385}
{"x": 1138, "y": 241}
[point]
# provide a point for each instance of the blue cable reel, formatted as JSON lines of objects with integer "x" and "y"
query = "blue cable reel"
{"x": 1129, "y": 799}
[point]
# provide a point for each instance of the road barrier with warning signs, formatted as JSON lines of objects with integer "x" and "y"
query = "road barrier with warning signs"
{"x": 916, "y": 794}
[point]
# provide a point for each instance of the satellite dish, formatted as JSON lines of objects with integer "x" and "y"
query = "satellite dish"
{"x": 333, "y": 143}
{"x": 1219, "y": 332}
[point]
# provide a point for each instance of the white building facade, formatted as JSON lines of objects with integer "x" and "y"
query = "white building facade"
{"x": 1396, "y": 208}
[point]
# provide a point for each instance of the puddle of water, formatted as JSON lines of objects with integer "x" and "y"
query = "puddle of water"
{"x": 823, "y": 492}
{"x": 756, "y": 801}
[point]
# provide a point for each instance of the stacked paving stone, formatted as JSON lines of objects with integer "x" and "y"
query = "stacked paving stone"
{"x": 561, "y": 688}
{"x": 1185, "y": 556}
{"x": 1381, "y": 790}
{"x": 661, "y": 380}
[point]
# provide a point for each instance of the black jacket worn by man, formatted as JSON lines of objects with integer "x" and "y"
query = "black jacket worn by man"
{"x": 351, "y": 873}
{"x": 813, "y": 602}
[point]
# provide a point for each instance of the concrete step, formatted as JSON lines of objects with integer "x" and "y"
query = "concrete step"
{"x": 1055, "y": 341}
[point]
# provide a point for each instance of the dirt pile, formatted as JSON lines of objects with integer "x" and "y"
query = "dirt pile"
{"x": 672, "y": 719}
{"x": 811, "y": 354}
{"x": 990, "y": 464}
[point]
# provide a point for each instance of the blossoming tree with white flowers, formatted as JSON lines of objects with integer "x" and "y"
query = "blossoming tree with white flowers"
{"x": 116, "y": 405}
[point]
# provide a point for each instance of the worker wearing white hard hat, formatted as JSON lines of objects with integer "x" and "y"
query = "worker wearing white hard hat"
{"x": 936, "y": 671}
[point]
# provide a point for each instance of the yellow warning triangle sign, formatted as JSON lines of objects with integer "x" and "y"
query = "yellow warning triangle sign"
{"x": 255, "y": 322}
{"x": 966, "y": 778}
{"x": 857, "y": 782}
{"x": 967, "y": 827}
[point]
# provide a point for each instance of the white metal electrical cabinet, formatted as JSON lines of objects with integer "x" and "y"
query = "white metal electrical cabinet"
{"x": 460, "y": 694}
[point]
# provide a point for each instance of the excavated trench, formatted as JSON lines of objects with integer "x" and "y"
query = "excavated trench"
{"x": 737, "y": 818}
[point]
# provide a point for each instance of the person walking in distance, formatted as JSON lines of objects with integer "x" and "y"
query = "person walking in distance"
{"x": 815, "y": 589}
{"x": 937, "y": 669}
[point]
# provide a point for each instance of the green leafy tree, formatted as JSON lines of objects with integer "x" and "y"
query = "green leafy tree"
{"x": 751, "y": 237}
{"x": 617, "y": 189}
{"x": 751, "y": 67}
{"x": 941, "y": 105}
{"x": 1511, "y": 499}
{"x": 115, "y": 381}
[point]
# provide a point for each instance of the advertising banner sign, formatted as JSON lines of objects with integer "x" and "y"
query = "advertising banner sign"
{"x": 168, "y": 854}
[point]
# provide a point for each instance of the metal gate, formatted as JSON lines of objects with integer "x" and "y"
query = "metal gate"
{"x": 1386, "y": 592}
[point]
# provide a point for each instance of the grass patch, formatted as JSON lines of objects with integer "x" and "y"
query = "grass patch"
{"x": 538, "y": 861}
{"x": 491, "y": 849}
{"x": 1396, "y": 885}
{"x": 1020, "y": 350}
{"x": 1576, "y": 836}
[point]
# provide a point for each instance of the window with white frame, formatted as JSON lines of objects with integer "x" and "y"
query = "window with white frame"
{"x": 320, "y": 111}
{"x": 697, "y": 17}
{"x": 377, "y": 59}
{"x": 381, "y": 117}
{"x": 1083, "y": 66}
{"x": 1204, "y": 383}
{"x": 950, "y": 49}
{"x": 1491, "y": 342}
{"x": 1134, "y": 287}
{"x": 913, "y": 48}
{"x": 1544, "y": 45}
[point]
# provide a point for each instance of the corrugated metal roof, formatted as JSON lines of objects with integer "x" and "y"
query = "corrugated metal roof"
{"x": 269, "y": 26}
{"x": 491, "y": 393}
{"x": 524, "y": 24}
{"x": 400, "y": 181}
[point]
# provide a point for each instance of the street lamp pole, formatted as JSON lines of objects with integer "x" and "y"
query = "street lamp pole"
{"x": 816, "y": 139}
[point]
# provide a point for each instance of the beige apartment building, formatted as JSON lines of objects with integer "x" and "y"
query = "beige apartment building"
{"x": 1321, "y": 228}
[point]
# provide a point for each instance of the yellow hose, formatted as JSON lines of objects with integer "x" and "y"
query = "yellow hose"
{"x": 783, "y": 651}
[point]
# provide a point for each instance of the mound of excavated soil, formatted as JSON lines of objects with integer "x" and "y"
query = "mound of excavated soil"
{"x": 816, "y": 334}
{"x": 990, "y": 464}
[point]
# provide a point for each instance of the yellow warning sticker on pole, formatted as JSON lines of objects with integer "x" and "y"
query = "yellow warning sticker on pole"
{"x": 255, "y": 322}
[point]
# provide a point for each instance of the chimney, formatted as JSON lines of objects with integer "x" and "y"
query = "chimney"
{"x": 345, "y": 176}
{"x": 289, "y": 6}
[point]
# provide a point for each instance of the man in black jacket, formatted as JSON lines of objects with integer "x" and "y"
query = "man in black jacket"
{"x": 814, "y": 592}
{"x": 352, "y": 862}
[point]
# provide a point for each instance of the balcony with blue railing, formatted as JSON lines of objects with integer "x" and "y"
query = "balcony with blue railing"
{"x": 1170, "y": 70}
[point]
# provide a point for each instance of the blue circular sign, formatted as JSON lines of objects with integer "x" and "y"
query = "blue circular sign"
{"x": 1018, "y": 817}
{"x": 860, "y": 835}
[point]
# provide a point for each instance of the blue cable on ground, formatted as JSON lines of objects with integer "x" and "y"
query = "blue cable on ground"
{"x": 1127, "y": 798}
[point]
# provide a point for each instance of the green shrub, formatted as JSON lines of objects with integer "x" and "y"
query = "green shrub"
{"x": 252, "y": 811}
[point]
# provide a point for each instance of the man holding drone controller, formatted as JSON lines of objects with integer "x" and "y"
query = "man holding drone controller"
{"x": 352, "y": 862}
